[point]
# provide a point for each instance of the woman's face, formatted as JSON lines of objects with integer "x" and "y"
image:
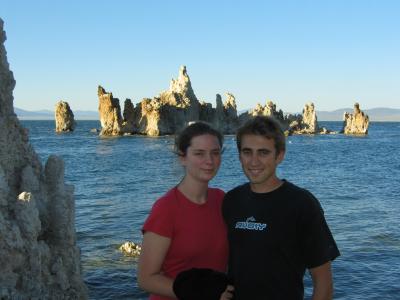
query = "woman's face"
{"x": 202, "y": 158}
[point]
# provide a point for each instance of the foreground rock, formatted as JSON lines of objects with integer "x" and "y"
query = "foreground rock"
{"x": 39, "y": 256}
{"x": 355, "y": 123}
{"x": 64, "y": 117}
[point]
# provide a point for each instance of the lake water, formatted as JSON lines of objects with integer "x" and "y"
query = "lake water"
{"x": 356, "y": 179}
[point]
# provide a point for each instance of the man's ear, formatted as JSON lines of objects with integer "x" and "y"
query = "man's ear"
{"x": 280, "y": 156}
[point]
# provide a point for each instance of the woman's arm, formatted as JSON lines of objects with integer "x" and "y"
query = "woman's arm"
{"x": 150, "y": 278}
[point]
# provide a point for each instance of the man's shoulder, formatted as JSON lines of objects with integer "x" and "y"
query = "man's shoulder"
{"x": 297, "y": 190}
{"x": 302, "y": 196}
{"x": 238, "y": 190}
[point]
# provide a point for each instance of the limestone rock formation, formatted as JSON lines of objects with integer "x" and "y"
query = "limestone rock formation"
{"x": 128, "y": 122}
{"x": 167, "y": 113}
{"x": 291, "y": 124}
{"x": 306, "y": 123}
{"x": 110, "y": 113}
{"x": 356, "y": 123}
{"x": 64, "y": 117}
{"x": 171, "y": 110}
{"x": 268, "y": 110}
{"x": 226, "y": 118}
{"x": 310, "y": 118}
{"x": 39, "y": 256}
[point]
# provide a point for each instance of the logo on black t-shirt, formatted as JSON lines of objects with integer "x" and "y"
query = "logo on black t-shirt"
{"x": 250, "y": 224}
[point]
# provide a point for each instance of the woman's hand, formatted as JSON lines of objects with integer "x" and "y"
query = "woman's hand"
{"x": 228, "y": 293}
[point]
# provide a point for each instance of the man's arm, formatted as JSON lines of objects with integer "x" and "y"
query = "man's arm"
{"x": 322, "y": 282}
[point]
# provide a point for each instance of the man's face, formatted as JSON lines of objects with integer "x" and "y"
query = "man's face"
{"x": 259, "y": 161}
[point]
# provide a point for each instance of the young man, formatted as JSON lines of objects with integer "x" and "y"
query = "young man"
{"x": 276, "y": 230}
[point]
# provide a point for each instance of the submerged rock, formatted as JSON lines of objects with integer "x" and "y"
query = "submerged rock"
{"x": 64, "y": 117}
{"x": 39, "y": 256}
{"x": 356, "y": 123}
{"x": 130, "y": 249}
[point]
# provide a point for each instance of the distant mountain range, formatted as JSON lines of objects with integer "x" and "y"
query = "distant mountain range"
{"x": 375, "y": 114}
{"x": 378, "y": 114}
{"x": 49, "y": 115}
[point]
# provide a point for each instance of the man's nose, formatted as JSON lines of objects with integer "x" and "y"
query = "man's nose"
{"x": 254, "y": 159}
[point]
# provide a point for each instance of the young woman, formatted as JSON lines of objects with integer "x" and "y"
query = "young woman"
{"x": 185, "y": 228}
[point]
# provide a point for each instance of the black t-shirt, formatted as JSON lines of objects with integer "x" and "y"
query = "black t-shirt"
{"x": 273, "y": 238}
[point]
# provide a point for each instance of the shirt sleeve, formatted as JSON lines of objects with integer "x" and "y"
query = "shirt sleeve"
{"x": 161, "y": 218}
{"x": 318, "y": 245}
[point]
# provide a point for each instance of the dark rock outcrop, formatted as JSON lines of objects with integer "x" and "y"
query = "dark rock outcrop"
{"x": 128, "y": 122}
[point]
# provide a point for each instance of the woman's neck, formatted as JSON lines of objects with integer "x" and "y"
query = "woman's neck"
{"x": 193, "y": 190}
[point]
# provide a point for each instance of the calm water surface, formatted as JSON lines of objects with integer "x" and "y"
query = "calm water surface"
{"x": 356, "y": 179}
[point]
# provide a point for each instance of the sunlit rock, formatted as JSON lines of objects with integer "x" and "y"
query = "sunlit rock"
{"x": 171, "y": 110}
{"x": 355, "y": 123}
{"x": 130, "y": 249}
{"x": 110, "y": 113}
{"x": 64, "y": 117}
{"x": 306, "y": 123}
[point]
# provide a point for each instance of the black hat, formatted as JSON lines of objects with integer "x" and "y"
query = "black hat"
{"x": 200, "y": 284}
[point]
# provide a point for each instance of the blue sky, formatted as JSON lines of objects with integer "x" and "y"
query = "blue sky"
{"x": 333, "y": 53}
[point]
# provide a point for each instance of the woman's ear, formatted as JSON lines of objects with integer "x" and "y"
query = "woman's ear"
{"x": 182, "y": 158}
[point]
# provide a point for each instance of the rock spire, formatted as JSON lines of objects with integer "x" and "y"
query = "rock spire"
{"x": 64, "y": 117}
{"x": 110, "y": 113}
{"x": 39, "y": 256}
{"x": 355, "y": 123}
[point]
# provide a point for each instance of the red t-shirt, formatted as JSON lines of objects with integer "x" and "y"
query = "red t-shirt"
{"x": 197, "y": 232}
